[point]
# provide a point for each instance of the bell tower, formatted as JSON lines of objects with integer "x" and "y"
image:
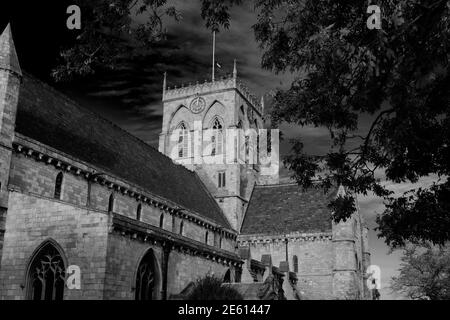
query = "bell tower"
{"x": 10, "y": 78}
{"x": 206, "y": 128}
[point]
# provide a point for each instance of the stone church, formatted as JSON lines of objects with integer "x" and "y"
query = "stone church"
{"x": 140, "y": 223}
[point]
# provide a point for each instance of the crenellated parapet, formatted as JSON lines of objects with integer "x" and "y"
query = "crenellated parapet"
{"x": 230, "y": 82}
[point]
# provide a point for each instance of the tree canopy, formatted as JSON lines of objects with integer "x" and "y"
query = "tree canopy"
{"x": 398, "y": 74}
{"x": 424, "y": 273}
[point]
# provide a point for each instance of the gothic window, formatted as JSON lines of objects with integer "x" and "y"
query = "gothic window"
{"x": 46, "y": 275}
{"x": 138, "y": 212}
{"x": 181, "y": 227}
{"x": 221, "y": 180}
{"x": 227, "y": 276}
{"x": 295, "y": 263}
{"x": 182, "y": 140}
{"x": 161, "y": 220}
{"x": 217, "y": 137}
{"x": 111, "y": 203}
{"x": 146, "y": 278}
{"x": 58, "y": 186}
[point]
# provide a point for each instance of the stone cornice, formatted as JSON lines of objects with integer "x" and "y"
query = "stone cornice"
{"x": 66, "y": 163}
{"x": 142, "y": 231}
{"x": 293, "y": 237}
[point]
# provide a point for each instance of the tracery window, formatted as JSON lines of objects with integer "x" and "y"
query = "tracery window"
{"x": 146, "y": 278}
{"x": 182, "y": 140}
{"x": 46, "y": 275}
{"x": 217, "y": 137}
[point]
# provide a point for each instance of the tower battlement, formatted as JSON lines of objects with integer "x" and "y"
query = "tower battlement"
{"x": 230, "y": 82}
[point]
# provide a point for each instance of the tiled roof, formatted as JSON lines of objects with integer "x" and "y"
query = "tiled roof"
{"x": 280, "y": 209}
{"x": 54, "y": 120}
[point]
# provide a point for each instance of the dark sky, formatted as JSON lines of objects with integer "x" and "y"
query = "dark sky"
{"x": 131, "y": 95}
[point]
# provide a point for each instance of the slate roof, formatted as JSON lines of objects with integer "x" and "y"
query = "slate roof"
{"x": 51, "y": 118}
{"x": 285, "y": 208}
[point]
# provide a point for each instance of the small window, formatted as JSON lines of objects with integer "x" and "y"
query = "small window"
{"x": 111, "y": 203}
{"x": 174, "y": 228}
{"x": 161, "y": 220}
{"x": 182, "y": 141}
{"x": 217, "y": 138}
{"x": 220, "y": 242}
{"x": 181, "y": 227}
{"x": 58, "y": 185}
{"x": 295, "y": 263}
{"x": 247, "y": 148}
{"x": 139, "y": 212}
{"x": 206, "y": 237}
{"x": 221, "y": 180}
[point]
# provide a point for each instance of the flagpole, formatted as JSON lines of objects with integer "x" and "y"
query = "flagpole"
{"x": 213, "y": 55}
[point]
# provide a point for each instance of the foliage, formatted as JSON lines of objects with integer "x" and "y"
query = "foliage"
{"x": 344, "y": 71}
{"x": 424, "y": 273}
{"x": 109, "y": 31}
{"x": 210, "y": 288}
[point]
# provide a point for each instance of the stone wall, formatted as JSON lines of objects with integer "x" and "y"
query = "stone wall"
{"x": 81, "y": 233}
{"x": 108, "y": 262}
{"x": 315, "y": 259}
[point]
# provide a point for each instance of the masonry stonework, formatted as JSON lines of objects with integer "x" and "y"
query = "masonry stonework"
{"x": 142, "y": 224}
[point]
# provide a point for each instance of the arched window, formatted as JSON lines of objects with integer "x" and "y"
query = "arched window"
{"x": 181, "y": 227}
{"x": 295, "y": 263}
{"x": 174, "y": 226}
{"x": 138, "y": 212}
{"x": 182, "y": 140}
{"x": 46, "y": 274}
{"x": 58, "y": 185}
{"x": 206, "y": 237}
{"x": 161, "y": 220}
{"x": 111, "y": 203}
{"x": 227, "y": 276}
{"x": 146, "y": 278}
{"x": 217, "y": 137}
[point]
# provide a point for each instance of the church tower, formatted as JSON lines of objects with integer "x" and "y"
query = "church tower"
{"x": 199, "y": 131}
{"x": 10, "y": 78}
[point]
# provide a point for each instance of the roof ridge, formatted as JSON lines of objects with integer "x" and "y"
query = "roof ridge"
{"x": 99, "y": 117}
{"x": 248, "y": 205}
{"x": 166, "y": 178}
